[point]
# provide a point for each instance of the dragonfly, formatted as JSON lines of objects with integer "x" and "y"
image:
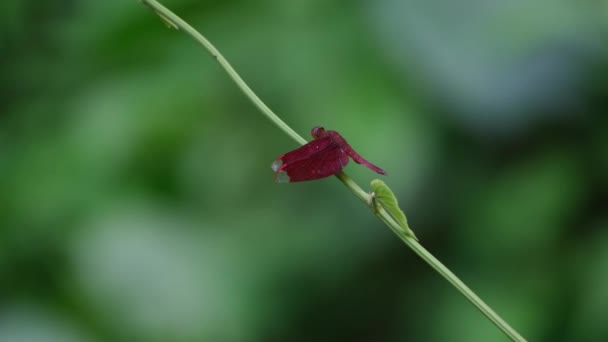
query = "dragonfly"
{"x": 324, "y": 156}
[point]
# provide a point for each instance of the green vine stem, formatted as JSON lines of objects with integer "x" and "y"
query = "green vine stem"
{"x": 176, "y": 22}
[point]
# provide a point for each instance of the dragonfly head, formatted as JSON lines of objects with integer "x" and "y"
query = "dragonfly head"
{"x": 318, "y": 132}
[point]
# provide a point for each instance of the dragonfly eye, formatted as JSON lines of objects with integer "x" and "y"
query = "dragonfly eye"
{"x": 317, "y": 132}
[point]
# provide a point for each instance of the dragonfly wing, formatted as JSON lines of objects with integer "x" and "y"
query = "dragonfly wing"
{"x": 316, "y": 146}
{"x": 324, "y": 163}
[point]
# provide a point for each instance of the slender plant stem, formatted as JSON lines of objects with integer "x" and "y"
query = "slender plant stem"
{"x": 176, "y": 22}
{"x": 449, "y": 276}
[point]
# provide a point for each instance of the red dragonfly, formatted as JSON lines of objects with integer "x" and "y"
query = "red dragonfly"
{"x": 326, "y": 155}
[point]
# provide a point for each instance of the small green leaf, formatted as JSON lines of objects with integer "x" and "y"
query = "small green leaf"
{"x": 167, "y": 21}
{"x": 384, "y": 197}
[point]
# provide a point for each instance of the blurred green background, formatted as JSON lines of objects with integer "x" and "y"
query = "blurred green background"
{"x": 137, "y": 201}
